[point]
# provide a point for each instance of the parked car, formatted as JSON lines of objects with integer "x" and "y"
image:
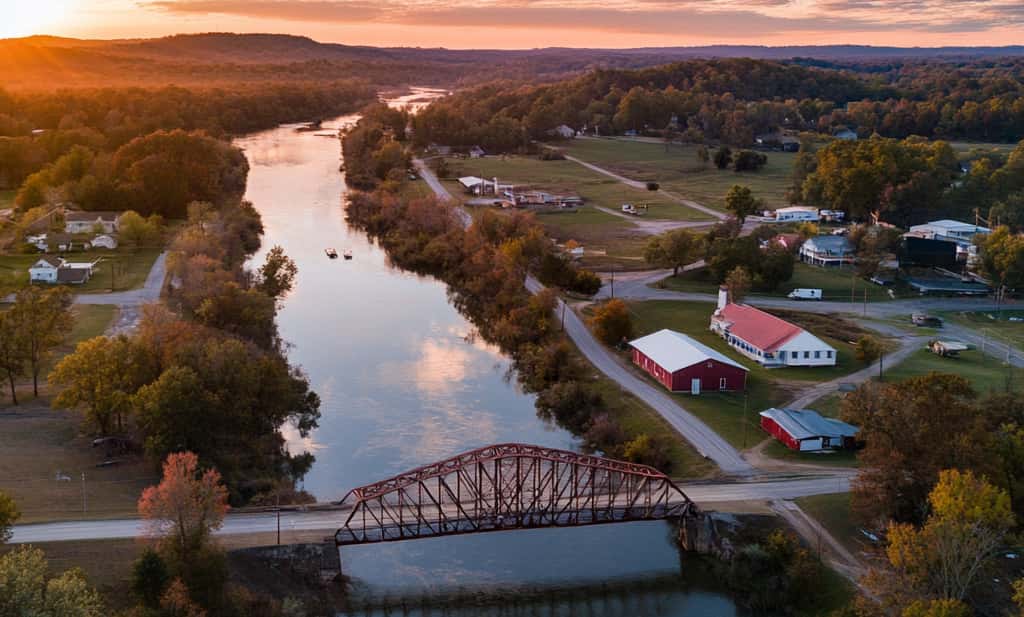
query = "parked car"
{"x": 924, "y": 319}
{"x": 805, "y": 294}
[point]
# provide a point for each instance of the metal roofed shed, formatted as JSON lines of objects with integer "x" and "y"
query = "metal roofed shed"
{"x": 682, "y": 364}
{"x": 806, "y": 430}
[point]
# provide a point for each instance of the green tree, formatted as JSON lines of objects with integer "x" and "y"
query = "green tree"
{"x": 136, "y": 231}
{"x": 150, "y": 578}
{"x": 13, "y": 352}
{"x": 776, "y": 267}
{"x": 723, "y": 157}
{"x": 1002, "y": 257}
{"x": 654, "y": 451}
{"x": 8, "y": 516}
{"x": 738, "y": 282}
{"x": 43, "y": 319}
{"x": 867, "y": 349}
{"x": 611, "y": 322}
{"x": 277, "y": 274}
{"x": 674, "y": 249}
{"x": 703, "y": 156}
{"x": 26, "y": 589}
{"x": 742, "y": 203}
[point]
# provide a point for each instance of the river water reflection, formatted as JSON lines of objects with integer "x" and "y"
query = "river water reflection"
{"x": 404, "y": 382}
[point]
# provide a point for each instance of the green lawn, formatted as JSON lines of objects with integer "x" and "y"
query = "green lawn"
{"x": 678, "y": 170}
{"x": 996, "y": 326}
{"x": 130, "y": 268}
{"x": 732, "y": 415}
{"x": 828, "y": 405}
{"x": 985, "y": 373}
{"x": 569, "y": 177}
{"x": 833, "y": 512}
{"x": 835, "y": 284}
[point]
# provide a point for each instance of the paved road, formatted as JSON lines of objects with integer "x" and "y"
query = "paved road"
{"x": 330, "y": 520}
{"x": 149, "y": 292}
{"x": 689, "y": 426}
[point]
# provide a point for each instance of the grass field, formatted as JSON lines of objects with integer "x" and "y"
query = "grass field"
{"x": 833, "y": 512}
{"x": 130, "y": 268}
{"x": 985, "y": 373}
{"x": 963, "y": 148}
{"x": 678, "y": 170}
{"x": 733, "y": 415}
{"x": 835, "y": 284}
{"x": 997, "y": 326}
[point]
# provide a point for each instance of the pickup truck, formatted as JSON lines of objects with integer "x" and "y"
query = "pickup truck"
{"x": 628, "y": 209}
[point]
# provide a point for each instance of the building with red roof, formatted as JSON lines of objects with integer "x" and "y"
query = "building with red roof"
{"x": 766, "y": 339}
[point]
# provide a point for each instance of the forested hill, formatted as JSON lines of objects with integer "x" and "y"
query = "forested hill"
{"x": 50, "y": 62}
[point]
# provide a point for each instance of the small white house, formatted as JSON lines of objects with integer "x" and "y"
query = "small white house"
{"x": 105, "y": 241}
{"x": 796, "y": 213}
{"x": 78, "y": 222}
{"x": 564, "y": 131}
{"x": 477, "y": 152}
{"x": 828, "y": 250}
{"x": 846, "y": 134}
{"x": 45, "y": 270}
{"x": 953, "y": 231}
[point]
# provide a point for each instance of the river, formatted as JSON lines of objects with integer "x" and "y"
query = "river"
{"x": 405, "y": 382}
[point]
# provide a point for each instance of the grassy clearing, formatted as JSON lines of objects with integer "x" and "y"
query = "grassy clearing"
{"x": 733, "y": 415}
{"x": 829, "y": 405}
{"x": 985, "y": 373}
{"x": 833, "y": 512}
{"x": 117, "y": 271}
{"x": 997, "y": 326}
{"x": 569, "y": 177}
{"x": 38, "y": 443}
{"x": 678, "y": 170}
{"x": 963, "y": 148}
{"x": 835, "y": 284}
{"x": 830, "y": 458}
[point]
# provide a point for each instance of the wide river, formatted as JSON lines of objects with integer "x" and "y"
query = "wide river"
{"x": 405, "y": 382}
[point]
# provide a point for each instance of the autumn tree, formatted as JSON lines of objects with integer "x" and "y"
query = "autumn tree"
{"x": 43, "y": 319}
{"x": 1002, "y": 257}
{"x": 13, "y": 355}
{"x": 867, "y": 349}
{"x": 101, "y": 376}
{"x": 912, "y": 431}
{"x": 776, "y": 266}
{"x": 723, "y": 157}
{"x": 611, "y": 322}
{"x": 675, "y": 249}
{"x": 136, "y": 231}
{"x": 738, "y": 282}
{"x": 945, "y": 557}
{"x": 8, "y": 516}
{"x": 27, "y": 589}
{"x": 277, "y": 274}
{"x": 186, "y": 507}
{"x": 703, "y": 156}
{"x": 176, "y": 601}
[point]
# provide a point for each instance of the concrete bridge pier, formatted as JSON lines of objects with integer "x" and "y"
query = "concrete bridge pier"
{"x": 330, "y": 561}
{"x": 707, "y": 533}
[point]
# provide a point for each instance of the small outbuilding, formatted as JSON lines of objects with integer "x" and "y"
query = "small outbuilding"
{"x": 45, "y": 270}
{"x": 105, "y": 241}
{"x": 682, "y": 364}
{"x": 805, "y": 430}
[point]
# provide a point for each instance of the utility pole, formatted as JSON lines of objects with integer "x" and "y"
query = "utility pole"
{"x": 743, "y": 418}
{"x": 613, "y": 281}
{"x": 563, "y": 315}
{"x": 278, "y": 516}
{"x": 85, "y": 504}
{"x": 865, "y": 301}
{"x": 881, "y": 359}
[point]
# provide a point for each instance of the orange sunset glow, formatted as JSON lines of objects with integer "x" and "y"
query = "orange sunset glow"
{"x": 539, "y": 23}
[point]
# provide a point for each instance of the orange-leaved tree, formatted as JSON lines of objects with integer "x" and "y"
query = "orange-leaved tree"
{"x": 186, "y": 506}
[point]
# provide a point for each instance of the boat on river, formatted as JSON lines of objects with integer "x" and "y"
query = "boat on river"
{"x": 348, "y": 254}
{"x": 333, "y": 254}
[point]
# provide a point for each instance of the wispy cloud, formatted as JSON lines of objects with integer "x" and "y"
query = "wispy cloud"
{"x": 724, "y": 18}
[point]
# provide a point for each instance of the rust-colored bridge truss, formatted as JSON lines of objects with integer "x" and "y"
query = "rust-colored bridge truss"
{"x": 508, "y": 486}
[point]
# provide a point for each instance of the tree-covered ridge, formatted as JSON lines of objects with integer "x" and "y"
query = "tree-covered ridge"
{"x": 733, "y": 100}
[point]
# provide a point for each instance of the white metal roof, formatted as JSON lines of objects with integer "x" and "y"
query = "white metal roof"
{"x": 470, "y": 181}
{"x": 674, "y": 351}
{"x": 951, "y": 225}
{"x": 797, "y": 209}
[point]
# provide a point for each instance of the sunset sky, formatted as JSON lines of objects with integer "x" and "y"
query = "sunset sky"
{"x": 538, "y": 23}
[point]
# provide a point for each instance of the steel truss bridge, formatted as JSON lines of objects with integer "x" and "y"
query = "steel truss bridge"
{"x": 506, "y": 487}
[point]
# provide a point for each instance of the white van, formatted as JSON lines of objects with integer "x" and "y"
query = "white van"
{"x": 805, "y": 294}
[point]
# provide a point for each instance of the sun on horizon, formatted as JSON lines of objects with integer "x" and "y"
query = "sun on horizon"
{"x": 28, "y": 17}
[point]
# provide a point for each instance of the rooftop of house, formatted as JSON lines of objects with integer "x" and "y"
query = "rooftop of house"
{"x": 762, "y": 330}
{"x": 830, "y": 243}
{"x": 807, "y": 423}
{"x": 950, "y": 225}
{"x": 54, "y": 262}
{"x": 72, "y": 275}
{"x": 80, "y": 216}
{"x": 674, "y": 351}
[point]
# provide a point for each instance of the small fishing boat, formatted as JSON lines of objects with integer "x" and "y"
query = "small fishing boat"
{"x": 333, "y": 254}
{"x": 348, "y": 253}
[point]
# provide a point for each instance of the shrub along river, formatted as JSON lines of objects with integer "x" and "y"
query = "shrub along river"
{"x": 405, "y": 382}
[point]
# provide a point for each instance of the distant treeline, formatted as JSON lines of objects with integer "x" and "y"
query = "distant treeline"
{"x": 152, "y": 151}
{"x": 734, "y": 100}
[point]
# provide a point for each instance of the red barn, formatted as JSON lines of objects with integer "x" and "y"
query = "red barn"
{"x": 806, "y": 430}
{"x": 682, "y": 364}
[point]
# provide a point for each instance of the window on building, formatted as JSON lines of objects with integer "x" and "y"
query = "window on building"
{"x": 782, "y": 355}
{"x": 722, "y": 383}
{"x": 828, "y": 354}
{"x": 817, "y": 354}
{"x": 807, "y": 354}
